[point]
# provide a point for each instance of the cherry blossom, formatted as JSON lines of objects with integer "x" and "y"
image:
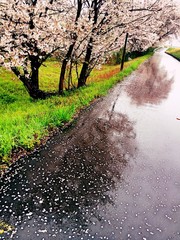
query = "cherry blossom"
{"x": 78, "y": 31}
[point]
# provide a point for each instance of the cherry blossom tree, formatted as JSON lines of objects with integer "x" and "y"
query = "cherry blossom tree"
{"x": 155, "y": 27}
{"x": 145, "y": 21}
{"x": 32, "y": 31}
{"x": 78, "y": 6}
{"x": 94, "y": 35}
{"x": 85, "y": 31}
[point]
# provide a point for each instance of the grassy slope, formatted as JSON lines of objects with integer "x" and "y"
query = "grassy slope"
{"x": 175, "y": 52}
{"x": 24, "y": 122}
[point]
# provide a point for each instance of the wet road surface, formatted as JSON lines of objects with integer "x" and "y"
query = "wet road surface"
{"x": 115, "y": 175}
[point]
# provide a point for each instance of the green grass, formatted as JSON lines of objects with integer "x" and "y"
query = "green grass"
{"x": 25, "y": 122}
{"x": 174, "y": 52}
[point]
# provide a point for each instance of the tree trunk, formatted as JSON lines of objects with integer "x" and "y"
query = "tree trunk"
{"x": 69, "y": 53}
{"x": 63, "y": 68}
{"x": 34, "y": 72}
{"x": 34, "y": 92}
{"x": 124, "y": 52}
{"x": 32, "y": 86}
{"x": 83, "y": 76}
{"x": 31, "y": 83}
{"x": 84, "y": 71}
{"x": 62, "y": 76}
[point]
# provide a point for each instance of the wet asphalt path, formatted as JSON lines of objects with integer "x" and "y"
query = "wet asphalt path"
{"x": 115, "y": 175}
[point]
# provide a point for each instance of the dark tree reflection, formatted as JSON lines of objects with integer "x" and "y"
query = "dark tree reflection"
{"x": 150, "y": 84}
{"x": 70, "y": 182}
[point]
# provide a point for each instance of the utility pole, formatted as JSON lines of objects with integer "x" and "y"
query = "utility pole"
{"x": 124, "y": 52}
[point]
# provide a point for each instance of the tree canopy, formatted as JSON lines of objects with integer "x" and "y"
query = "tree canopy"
{"x": 80, "y": 31}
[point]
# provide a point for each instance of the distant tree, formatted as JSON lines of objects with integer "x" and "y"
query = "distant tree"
{"x": 160, "y": 20}
{"x": 111, "y": 19}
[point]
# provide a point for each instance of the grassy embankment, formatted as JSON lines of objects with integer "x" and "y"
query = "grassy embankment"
{"x": 174, "y": 52}
{"x": 25, "y": 122}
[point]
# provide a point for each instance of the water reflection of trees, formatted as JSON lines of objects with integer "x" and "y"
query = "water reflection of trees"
{"x": 73, "y": 181}
{"x": 151, "y": 84}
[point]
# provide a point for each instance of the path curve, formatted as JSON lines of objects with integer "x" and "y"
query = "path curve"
{"x": 115, "y": 175}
